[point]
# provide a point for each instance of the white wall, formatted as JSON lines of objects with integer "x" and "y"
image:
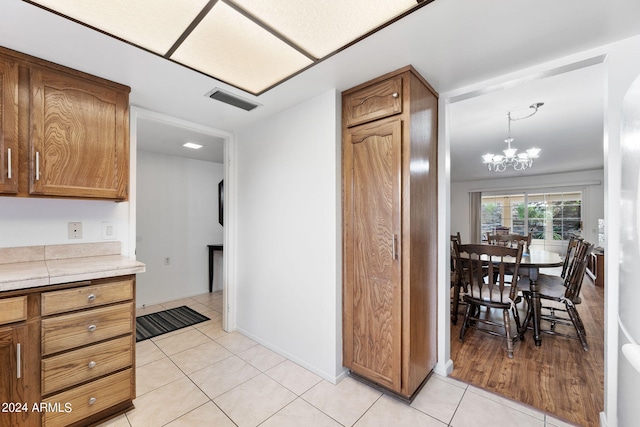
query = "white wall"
{"x": 177, "y": 217}
{"x": 593, "y": 197}
{"x": 43, "y": 221}
{"x": 288, "y": 286}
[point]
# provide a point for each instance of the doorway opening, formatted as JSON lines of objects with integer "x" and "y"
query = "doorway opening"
{"x": 175, "y": 208}
{"x": 570, "y": 131}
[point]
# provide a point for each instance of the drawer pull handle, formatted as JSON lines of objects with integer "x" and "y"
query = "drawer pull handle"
{"x": 395, "y": 94}
{"x": 18, "y": 361}
{"x": 92, "y": 364}
{"x": 92, "y": 328}
{"x": 91, "y": 297}
{"x": 92, "y": 401}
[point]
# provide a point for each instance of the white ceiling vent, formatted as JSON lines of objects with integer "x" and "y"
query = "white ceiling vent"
{"x": 231, "y": 99}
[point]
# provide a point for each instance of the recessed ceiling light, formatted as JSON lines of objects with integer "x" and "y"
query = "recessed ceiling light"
{"x": 192, "y": 145}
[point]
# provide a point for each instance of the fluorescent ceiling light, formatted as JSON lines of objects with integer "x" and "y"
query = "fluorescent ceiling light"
{"x": 151, "y": 24}
{"x": 323, "y": 26}
{"x": 237, "y": 50}
{"x": 253, "y": 45}
{"x": 192, "y": 145}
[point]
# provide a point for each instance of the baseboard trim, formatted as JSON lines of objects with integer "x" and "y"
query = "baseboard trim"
{"x": 444, "y": 369}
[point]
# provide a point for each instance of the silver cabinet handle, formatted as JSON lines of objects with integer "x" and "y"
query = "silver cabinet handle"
{"x": 37, "y": 165}
{"x": 394, "y": 251}
{"x": 395, "y": 94}
{"x": 92, "y": 364}
{"x": 9, "y": 163}
{"x": 18, "y": 361}
{"x": 92, "y": 401}
{"x": 92, "y": 328}
{"x": 91, "y": 297}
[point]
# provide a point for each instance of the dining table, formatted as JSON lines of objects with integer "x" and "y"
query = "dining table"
{"x": 530, "y": 264}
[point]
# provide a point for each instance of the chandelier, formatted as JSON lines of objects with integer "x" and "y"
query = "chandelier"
{"x": 511, "y": 157}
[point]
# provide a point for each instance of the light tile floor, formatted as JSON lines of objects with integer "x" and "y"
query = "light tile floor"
{"x": 203, "y": 376}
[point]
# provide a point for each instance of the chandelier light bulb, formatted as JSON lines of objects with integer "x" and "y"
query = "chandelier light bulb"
{"x": 533, "y": 152}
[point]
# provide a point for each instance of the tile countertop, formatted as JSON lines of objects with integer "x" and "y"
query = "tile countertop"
{"x": 33, "y": 266}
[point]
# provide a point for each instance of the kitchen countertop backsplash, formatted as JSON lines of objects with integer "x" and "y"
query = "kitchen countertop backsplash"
{"x": 32, "y": 266}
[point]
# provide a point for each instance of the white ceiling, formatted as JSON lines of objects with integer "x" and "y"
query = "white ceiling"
{"x": 452, "y": 43}
{"x": 568, "y": 128}
{"x": 166, "y": 138}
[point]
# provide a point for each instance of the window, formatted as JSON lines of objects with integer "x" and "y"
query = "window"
{"x": 549, "y": 216}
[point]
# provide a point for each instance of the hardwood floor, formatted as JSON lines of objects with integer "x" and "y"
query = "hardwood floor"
{"x": 558, "y": 377}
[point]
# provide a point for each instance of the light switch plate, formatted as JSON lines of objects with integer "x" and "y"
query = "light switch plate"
{"x": 75, "y": 230}
{"x": 109, "y": 231}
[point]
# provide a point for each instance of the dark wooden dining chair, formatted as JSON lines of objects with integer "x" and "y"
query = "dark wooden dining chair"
{"x": 571, "y": 252}
{"x": 456, "y": 279}
{"x": 490, "y": 285}
{"x": 564, "y": 292}
{"x": 509, "y": 240}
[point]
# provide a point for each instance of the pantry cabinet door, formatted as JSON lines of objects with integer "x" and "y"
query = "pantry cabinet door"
{"x": 372, "y": 288}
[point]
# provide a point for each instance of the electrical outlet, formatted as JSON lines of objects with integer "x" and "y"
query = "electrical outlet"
{"x": 75, "y": 230}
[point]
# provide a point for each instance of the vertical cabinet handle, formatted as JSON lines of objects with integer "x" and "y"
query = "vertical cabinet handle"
{"x": 9, "y": 163}
{"x": 37, "y": 166}
{"x": 18, "y": 361}
{"x": 394, "y": 251}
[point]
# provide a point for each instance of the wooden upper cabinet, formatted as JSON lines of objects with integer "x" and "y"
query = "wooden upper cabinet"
{"x": 373, "y": 102}
{"x": 78, "y": 141}
{"x": 63, "y": 133}
{"x": 8, "y": 126}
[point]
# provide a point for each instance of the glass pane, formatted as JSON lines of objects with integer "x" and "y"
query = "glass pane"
{"x": 549, "y": 216}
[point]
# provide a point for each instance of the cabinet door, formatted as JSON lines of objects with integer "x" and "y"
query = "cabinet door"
{"x": 8, "y": 126}
{"x": 79, "y": 145}
{"x": 373, "y": 102}
{"x": 372, "y": 299}
{"x": 13, "y": 394}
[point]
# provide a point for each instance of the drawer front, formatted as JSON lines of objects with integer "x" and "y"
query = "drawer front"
{"x": 86, "y": 296}
{"x": 89, "y": 399}
{"x": 77, "y": 329}
{"x": 74, "y": 367}
{"x": 13, "y": 309}
{"x": 373, "y": 102}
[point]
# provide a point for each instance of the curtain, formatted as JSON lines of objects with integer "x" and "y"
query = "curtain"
{"x": 475, "y": 216}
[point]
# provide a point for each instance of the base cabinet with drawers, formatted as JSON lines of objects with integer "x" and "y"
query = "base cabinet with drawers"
{"x": 82, "y": 352}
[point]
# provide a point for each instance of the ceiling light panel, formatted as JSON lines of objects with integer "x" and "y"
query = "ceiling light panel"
{"x": 322, "y": 27}
{"x": 230, "y": 47}
{"x": 152, "y": 24}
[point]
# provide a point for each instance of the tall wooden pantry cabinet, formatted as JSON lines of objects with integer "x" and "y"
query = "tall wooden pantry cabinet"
{"x": 389, "y": 190}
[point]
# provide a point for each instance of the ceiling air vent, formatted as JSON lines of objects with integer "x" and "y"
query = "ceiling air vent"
{"x": 228, "y": 98}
